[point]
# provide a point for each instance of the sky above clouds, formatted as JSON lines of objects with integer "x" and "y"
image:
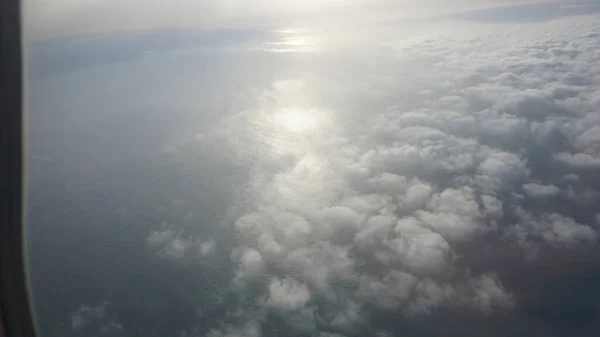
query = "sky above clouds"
{"x": 71, "y": 17}
{"x": 315, "y": 169}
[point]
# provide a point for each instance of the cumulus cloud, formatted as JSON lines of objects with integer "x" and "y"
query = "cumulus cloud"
{"x": 391, "y": 290}
{"x": 453, "y": 213}
{"x": 539, "y": 191}
{"x": 553, "y": 228}
{"x": 86, "y": 314}
{"x": 489, "y": 293}
{"x": 207, "y": 247}
{"x": 98, "y": 320}
{"x": 287, "y": 294}
{"x": 582, "y": 160}
{"x": 419, "y": 249}
{"x": 160, "y": 238}
{"x": 174, "y": 244}
{"x": 249, "y": 329}
{"x": 250, "y": 266}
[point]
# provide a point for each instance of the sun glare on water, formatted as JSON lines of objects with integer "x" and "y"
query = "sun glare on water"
{"x": 299, "y": 120}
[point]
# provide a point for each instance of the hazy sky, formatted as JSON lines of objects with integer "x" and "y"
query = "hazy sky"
{"x": 47, "y": 18}
{"x": 327, "y": 169}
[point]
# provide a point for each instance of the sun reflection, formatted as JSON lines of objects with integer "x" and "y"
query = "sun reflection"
{"x": 288, "y": 141}
{"x": 299, "y": 120}
{"x": 293, "y": 167}
{"x": 293, "y": 40}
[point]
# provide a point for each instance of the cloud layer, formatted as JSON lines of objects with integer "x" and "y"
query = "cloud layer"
{"x": 443, "y": 183}
{"x": 475, "y": 139}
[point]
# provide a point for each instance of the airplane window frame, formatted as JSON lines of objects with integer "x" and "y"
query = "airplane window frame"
{"x": 15, "y": 316}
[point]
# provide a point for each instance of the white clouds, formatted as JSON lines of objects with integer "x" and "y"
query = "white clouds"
{"x": 86, "y": 314}
{"x": 416, "y": 182}
{"x": 555, "y": 229}
{"x": 499, "y": 168}
{"x": 563, "y": 230}
{"x": 159, "y": 239}
{"x": 340, "y": 219}
{"x": 111, "y": 329}
{"x": 327, "y": 334}
{"x": 251, "y": 266}
{"x": 489, "y": 293}
{"x": 288, "y": 298}
{"x": 529, "y": 104}
{"x": 207, "y": 247}
{"x": 423, "y": 252}
{"x": 583, "y": 133}
{"x": 348, "y": 318}
{"x": 422, "y": 170}
{"x": 287, "y": 294}
{"x": 417, "y": 154}
{"x": 453, "y": 213}
{"x": 167, "y": 242}
{"x": 175, "y": 249}
{"x": 251, "y": 328}
{"x": 539, "y": 191}
{"x": 416, "y": 196}
{"x": 392, "y": 290}
{"x": 95, "y": 321}
{"x": 580, "y": 160}
{"x": 390, "y": 173}
{"x": 375, "y": 231}
{"x": 492, "y": 206}
{"x": 432, "y": 295}
{"x": 389, "y": 183}
{"x": 321, "y": 264}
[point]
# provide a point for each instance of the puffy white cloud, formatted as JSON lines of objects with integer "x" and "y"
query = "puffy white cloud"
{"x": 348, "y": 318}
{"x": 370, "y": 203}
{"x": 328, "y": 334}
{"x": 492, "y": 206}
{"x": 427, "y": 152}
{"x": 160, "y": 238}
{"x": 168, "y": 242}
{"x": 287, "y": 294}
{"x": 175, "y": 249}
{"x": 501, "y": 167}
{"x": 389, "y": 183}
{"x": 582, "y": 160}
{"x": 249, "y": 329}
{"x": 454, "y": 213}
{"x": 489, "y": 293}
{"x": 431, "y": 295}
{"x": 535, "y": 190}
{"x": 321, "y": 264}
{"x": 563, "y": 230}
{"x": 420, "y": 250}
{"x": 375, "y": 232}
{"x": 341, "y": 216}
{"x": 250, "y": 266}
{"x": 392, "y": 290}
{"x": 207, "y": 247}
{"x": 553, "y": 228}
{"x": 112, "y": 329}
{"x": 99, "y": 320}
{"x": 416, "y": 197}
{"x": 86, "y": 315}
{"x": 289, "y": 299}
